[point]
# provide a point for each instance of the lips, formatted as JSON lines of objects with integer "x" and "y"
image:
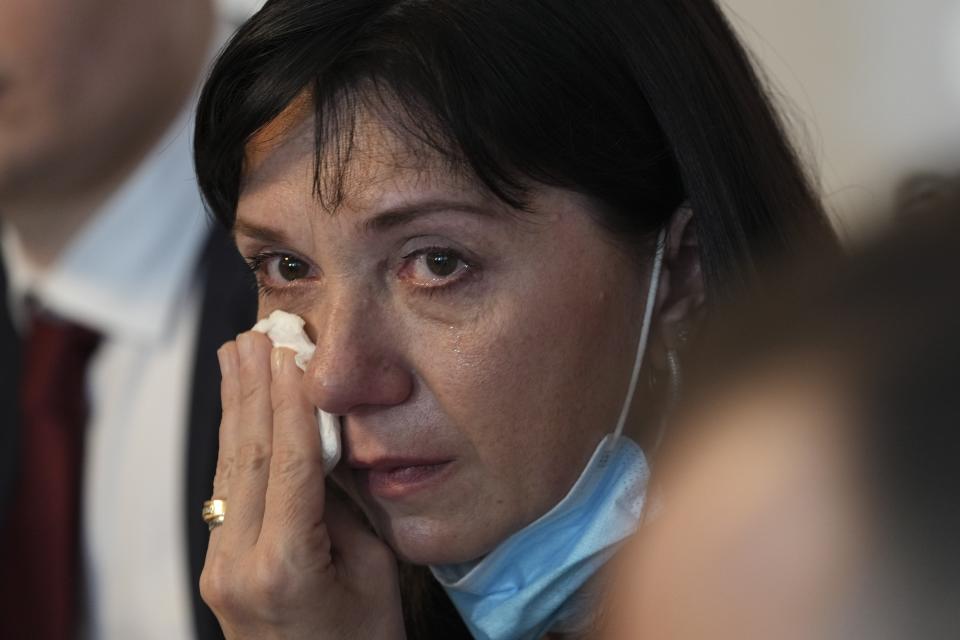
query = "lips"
{"x": 393, "y": 478}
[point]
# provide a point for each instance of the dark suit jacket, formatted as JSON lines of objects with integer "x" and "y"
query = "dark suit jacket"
{"x": 228, "y": 308}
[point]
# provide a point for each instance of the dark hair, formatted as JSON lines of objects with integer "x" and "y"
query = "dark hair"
{"x": 641, "y": 105}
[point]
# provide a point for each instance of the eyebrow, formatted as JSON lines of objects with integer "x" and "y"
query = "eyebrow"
{"x": 383, "y": 221}
{"x": 259, "y": 232}
{"x": 404, "y": 214}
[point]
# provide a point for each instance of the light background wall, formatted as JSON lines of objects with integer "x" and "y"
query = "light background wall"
{"x": 871, "y": 89}
{"x": 239, "y": 10}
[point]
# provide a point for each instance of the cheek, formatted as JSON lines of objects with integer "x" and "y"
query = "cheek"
{"x": 531, "y": 389}
{"x": 55, "y": 83}
{"x": 28, "y": 62}
{"x": 47, "y": 41}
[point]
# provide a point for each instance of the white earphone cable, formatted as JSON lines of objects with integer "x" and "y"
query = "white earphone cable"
{"x": 644, "y": 333}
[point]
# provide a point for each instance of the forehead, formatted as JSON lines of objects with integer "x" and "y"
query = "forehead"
{"x": 369, "y": 156}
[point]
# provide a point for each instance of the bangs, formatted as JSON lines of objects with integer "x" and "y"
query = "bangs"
{"x": 639, "y": 105}
{"x": 339, "y": 115}
{"x": 469, "y": 82}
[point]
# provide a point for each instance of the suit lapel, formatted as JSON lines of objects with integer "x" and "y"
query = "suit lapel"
{"x": 229, "y": 307}
{"x": 9, "y": 383}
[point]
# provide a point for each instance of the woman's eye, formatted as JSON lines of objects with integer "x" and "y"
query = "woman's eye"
{"x": 434, "y": 267}
{"x": 441, "y": 264}
{"x": 291, "y": 268}
{"x": 278, "y": 269}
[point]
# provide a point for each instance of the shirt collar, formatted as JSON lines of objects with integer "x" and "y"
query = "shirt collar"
{"x": 128, "y": 268}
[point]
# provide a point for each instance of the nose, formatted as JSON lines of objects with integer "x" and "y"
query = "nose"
{"x": 356, "y": 363}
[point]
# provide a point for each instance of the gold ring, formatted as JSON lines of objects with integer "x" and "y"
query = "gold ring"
{"x": 213, "y": 513}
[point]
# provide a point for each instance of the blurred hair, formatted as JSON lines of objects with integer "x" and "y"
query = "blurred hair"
{"x": 925, "y": 194}
{"x": 885, "y": 323}
{"x": 640, "y": 105}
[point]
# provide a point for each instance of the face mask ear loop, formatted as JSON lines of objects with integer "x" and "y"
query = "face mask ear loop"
{"x": 644, "y": 333}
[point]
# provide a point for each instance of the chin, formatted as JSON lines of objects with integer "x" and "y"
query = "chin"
{"x": 423, "y": 540}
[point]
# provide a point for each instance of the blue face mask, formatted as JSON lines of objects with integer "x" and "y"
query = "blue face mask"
{"x": 520, "y": 589}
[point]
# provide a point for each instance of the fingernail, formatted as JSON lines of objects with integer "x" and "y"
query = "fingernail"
{"x": 276, "y": 360}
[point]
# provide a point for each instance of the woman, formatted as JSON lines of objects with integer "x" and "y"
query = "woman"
{"x": 489, "y": 215}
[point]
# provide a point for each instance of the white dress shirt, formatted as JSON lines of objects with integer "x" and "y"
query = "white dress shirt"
{"x": 131, "y": 275}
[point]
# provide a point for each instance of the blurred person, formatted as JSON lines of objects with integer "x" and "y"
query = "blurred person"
{"x": 812, "y": 488}
{"x": 925, "y": 195}
{"x": 114, "y": 294}
{"x": 494, "y": 217}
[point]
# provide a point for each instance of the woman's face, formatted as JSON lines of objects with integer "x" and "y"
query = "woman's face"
{"x": 476, "y": 353}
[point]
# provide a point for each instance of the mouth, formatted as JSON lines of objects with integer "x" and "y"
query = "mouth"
{"x": 394, "y": 478}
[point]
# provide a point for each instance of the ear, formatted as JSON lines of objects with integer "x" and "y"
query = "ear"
{"x": 681, "y": 295}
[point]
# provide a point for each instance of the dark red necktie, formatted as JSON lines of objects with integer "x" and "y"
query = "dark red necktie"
{"x": 39, "y": 544}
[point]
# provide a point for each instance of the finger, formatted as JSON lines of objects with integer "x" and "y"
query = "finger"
{"x": 230, "y": 403}
{"x": 364, "y": 564}
{"x": 295, "y": 493}
{"x": 362, "y": 555}
{"x": 253, "y": 443}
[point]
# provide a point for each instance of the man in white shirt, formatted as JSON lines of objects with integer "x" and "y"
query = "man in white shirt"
{"x": 102, "y": 227}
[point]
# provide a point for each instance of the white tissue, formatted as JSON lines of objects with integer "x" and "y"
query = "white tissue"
{"x": 286, "y": 330}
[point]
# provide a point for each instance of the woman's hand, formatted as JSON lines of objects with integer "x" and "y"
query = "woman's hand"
{"x": 288, "y": 561}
